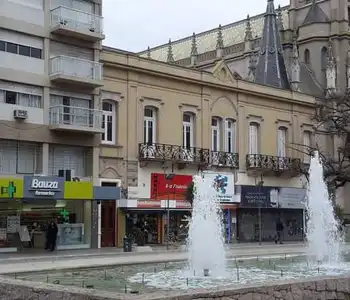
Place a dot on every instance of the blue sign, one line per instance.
(43, 187)
(274, 197)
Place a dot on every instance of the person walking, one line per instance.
(279, 232)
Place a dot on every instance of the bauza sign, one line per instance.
(44, 187)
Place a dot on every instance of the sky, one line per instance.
(133, 25)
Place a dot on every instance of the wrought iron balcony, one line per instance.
(173, 153)
(75, 23)
(224, 159)
(273, 164)
(69, 118)
(66, 69)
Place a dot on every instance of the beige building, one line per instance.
(165, 119)
(50, 122)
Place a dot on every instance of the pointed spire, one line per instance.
(331, 72)
(170, 57)
(219, 43)
(271, 69)
(280, 18)
(248, 30)
(315, 15)
(194, 51)
(148, 52)
(295, 67)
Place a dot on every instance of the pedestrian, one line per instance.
(51, 235)
(279, 232)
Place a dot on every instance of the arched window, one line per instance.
(149, 125)
(230, 136)
(253, 138)
(188, 130)
(215, 134)
(324, 58)
(307, 56)
(282, 141)
(108, 122)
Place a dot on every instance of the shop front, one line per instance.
(168, 201)
(28, 205)
(262, 207)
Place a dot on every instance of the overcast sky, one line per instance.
(135, 24)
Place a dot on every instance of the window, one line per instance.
(307, 56)
(24, 50)
(215, 134)
(307, 144)
(230, 136)
(282, 139)
(18, 157)
(324, 58)
(10, 97)
(187, 130)
(12, 48)
(108, 122)
(36, 53)
(253, 138)
(20, 49)
(149, 126)
(76, 159)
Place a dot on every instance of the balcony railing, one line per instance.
(179, 154)
(76, 118)
(224, 159)
(76, 20)
(273, 163)
(75, 67)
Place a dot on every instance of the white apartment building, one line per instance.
(49, 86)
(50, 117)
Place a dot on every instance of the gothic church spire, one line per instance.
(271, 69)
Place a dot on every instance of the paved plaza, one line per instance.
(18, 262)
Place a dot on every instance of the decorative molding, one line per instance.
(147, 101)
(106, 95)
(286, 122)
(189, 107)
(255, 117)
(308, 125)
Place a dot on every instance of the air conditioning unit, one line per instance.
(20, 114)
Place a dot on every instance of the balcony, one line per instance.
(224, 159)
(77, 24)
(72, 70)
(76, 119)
(173, 153)
(260, 164)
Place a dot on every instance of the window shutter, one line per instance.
(233, 138)
(253, 139)
(282, 142)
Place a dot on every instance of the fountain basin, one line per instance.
(165, 277)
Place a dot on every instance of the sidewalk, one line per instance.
(108, 259)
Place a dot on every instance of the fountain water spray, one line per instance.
(205, 242)
(323, 236)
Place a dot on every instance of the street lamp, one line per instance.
(259, 186)
(168, 177)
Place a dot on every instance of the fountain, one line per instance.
(322, 227)
(206, 248)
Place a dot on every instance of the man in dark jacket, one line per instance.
(279, 232)
(51, 235)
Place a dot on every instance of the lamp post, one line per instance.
(168, 177)
(259, 185)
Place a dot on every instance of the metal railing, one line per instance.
(76, 20)
(180, 154)
(273, 163)
(72, 66)
(76, 116)
(224, 159)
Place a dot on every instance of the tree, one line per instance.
(332, 116)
